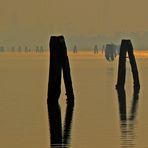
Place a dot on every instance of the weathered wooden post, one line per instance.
(122, 104)
(121, 66)
(126, 47)
(66, 74)
(133, 67)
(58, 62)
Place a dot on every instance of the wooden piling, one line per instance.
(126, 47)
(58, 62)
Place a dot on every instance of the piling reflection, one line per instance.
(60, 138)
(127, 123)
(67, 125)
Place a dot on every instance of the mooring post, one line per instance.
(58, 62)
(122, 104)
(67, 74)
(126, 47)
(133, 67)
(54, 84)
(121, 66)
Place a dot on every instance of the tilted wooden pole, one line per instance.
(126, 47)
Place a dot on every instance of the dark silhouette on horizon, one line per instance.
(126, 47)
(110, 52)
(60, 137)
(39, 49)
(75, 50)
(96, 49)
(127, 122)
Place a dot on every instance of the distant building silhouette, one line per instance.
(110, 52)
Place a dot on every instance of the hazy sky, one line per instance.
(31, 22)
(99, 16)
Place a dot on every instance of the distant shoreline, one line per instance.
(79, 55)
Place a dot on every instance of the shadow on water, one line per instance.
(127, 123)
(60, 137)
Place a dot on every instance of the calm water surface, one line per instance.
(97, 119)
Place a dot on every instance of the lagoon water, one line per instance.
(96, 121)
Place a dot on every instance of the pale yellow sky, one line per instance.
(101, 16)
(32, 22)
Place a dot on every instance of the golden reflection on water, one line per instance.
(23, 104)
